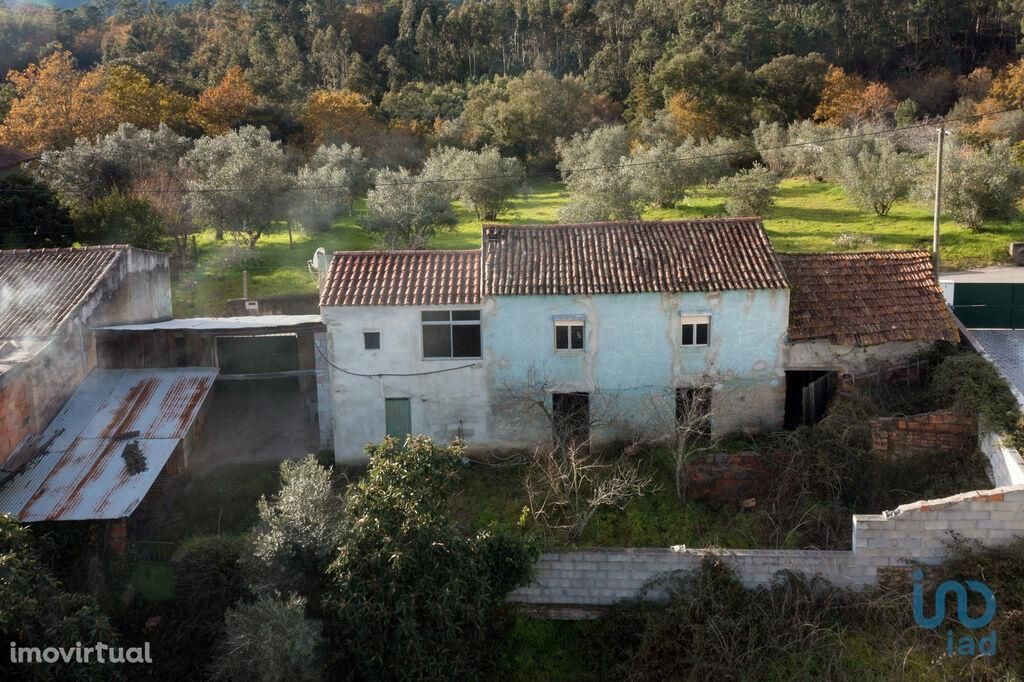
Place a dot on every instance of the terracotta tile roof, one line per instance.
(629, 257)
(39, 288)
(11, 157)
(862, 299)
(403, 278)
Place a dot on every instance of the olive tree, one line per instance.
(407, 211)
(297, 532)
(269, 639)
(92, 168)
(877, 176)
(750, 192)
(600, 186)
(663, 172)
(981, 184)
(484, 180)
(237, 182)
(413, 595)
(324, 188)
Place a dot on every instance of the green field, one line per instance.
(809, 216)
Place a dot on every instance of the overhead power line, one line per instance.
(583, 169)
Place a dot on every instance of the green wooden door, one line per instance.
(397, 417)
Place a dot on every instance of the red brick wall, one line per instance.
(931, 432)
(15, 415)
(727, 477)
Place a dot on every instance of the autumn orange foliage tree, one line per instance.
(221, 107)
(840, 97)
(55, 104)
(137, 100)
(1008, 86)
(336, 116)
(689, 118)
(848, 97)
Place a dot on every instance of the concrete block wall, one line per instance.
(927, 433)
(1005, 461)
(882, 543)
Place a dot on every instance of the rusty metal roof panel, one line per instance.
(81, 473)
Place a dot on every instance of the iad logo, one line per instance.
(966, 645)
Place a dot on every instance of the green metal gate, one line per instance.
(989, 306)
(397, 417)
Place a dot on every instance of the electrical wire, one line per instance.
(381, 375)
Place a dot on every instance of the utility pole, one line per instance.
(938, 197)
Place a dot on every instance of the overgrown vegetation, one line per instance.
(709, 626)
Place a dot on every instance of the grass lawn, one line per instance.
(809, 216)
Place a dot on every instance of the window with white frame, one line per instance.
(569, 335)
(695, 330)
(451, 334)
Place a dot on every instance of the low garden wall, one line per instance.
(927, 433)
(571, 583)
(1005, 461)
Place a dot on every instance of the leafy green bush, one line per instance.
(208, 578)
(969, 384)
(877, 176)
(982, 184)
(269, 640)
(36, 611)
(120, 219)
(413, 597)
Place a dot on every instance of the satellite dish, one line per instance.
(319, 257)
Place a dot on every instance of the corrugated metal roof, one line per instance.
(40, 288)
(82, 475)
(204, 325)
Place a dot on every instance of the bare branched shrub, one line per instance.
(683, 425)
(566, 486)
(522, 400)
(165, 192)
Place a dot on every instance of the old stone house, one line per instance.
(625, 323)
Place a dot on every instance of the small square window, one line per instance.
(569, 335)
(371, 340)
(695, 330)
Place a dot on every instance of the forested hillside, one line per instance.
(420, 64)
(373, 124)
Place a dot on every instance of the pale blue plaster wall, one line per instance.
(633, 348)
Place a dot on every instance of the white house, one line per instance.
(621, 320)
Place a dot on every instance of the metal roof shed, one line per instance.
(82, 471)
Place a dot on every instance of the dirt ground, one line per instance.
(256, 426)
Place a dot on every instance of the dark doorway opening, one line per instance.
(808, 393)
(570, 414)
(254, 355)
(693, 410)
